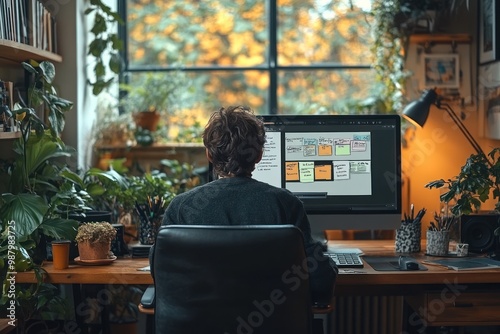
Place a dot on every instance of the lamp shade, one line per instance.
(417, 111)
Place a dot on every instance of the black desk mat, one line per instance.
(388, 263)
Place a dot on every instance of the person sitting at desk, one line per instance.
(234, 139)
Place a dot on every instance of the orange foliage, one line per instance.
(230, 36)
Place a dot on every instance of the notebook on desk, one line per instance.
(467, 263)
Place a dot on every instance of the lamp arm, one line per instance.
(463, 129)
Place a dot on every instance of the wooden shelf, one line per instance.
(13, 52)
(10, 135)
(440, 38)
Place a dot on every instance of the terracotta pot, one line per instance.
(93, 251)
(147, 120)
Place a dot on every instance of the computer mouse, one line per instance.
(408, 263)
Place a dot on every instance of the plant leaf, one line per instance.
(59, 228)
(27, 210)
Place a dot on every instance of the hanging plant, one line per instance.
(389, 50)
(394, 23)
(104, 42)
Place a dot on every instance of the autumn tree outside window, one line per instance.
(277, 56)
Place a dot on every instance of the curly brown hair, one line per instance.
(234, 138)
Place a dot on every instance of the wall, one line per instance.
(438, 150)
(71, 75)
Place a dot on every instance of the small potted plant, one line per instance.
(153, 97)
(477, 182)
(94, 241)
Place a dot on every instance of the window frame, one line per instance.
(271, 67)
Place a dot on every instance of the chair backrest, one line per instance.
(231, 279)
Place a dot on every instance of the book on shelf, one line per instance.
(28, 22)
(467, 263)
(2, 23)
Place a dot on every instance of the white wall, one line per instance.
(71, 75)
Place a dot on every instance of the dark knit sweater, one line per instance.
(245, 201)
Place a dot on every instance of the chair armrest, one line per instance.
(148, 298)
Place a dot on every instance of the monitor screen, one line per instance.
(345, 169)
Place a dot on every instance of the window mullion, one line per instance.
(273, 57)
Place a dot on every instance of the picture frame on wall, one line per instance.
(489, 100)
(441, 71)
(489, 33)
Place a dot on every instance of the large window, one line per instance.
(277, 56)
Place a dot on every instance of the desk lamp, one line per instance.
(417, 111)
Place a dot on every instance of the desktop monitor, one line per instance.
(345, 168)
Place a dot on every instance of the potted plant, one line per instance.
(94, 241)
(39, 194)
(477, 182)
(153, 96)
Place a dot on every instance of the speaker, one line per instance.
(478, 231)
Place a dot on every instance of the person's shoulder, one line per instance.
(203, 191)
(277, 191)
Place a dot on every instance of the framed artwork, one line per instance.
(488, 31)
(489, 100)
(441, 71)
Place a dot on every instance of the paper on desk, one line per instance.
(341, 250)
(147, 268)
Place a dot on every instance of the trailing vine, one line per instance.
(394, 23)
(104, 41)
(389, 50)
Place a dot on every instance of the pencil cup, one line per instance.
(408, 238)
(148, 229)
(437, 242)
(60, 254)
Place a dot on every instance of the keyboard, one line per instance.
(346, 260)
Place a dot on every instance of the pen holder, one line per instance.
(408, 238)
(437, 242)
(148, 229)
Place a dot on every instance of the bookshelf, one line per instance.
(27, 31)
(10, 135)
(12, 53)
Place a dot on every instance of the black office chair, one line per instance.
(230, 279)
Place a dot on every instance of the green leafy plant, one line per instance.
(389, 52)
(394, 23)
(477, 180)
(104, 42)
(40, 191)
(95, 232)
(154, 92)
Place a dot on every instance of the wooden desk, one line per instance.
(122, 271)
(464, 298)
